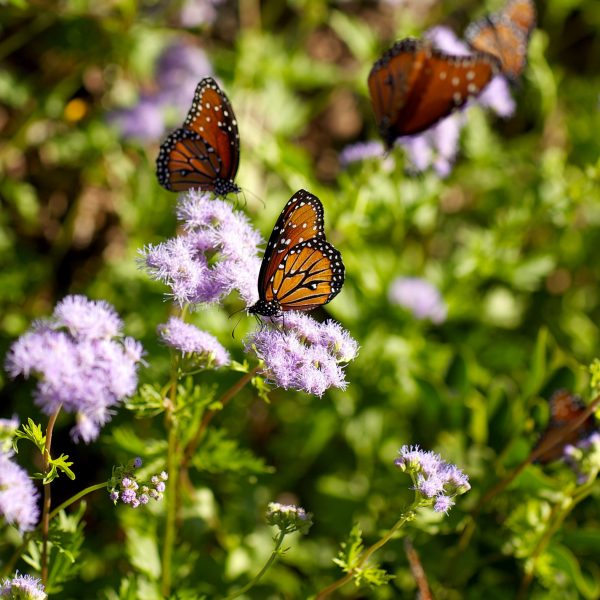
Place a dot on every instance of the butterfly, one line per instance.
(414, 85)
(205, 152)
(505, 35)
(565, 407)
(300, 270)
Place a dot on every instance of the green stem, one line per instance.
(255, 579)
(79, 495)
(45, 522)
(172, 469)
(407, 516)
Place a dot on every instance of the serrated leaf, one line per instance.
(217, 454)
(148, 402)
(351, 550)
(31, 432)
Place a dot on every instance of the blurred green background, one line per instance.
(510, 238)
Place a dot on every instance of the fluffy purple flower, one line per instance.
(420, 297)
(18, 496)
(437, 147)
(81, 360)
(584, 457)
(124, 486)
(145, 121)
(217, 253)
(198, 12)
(361, 151)
(188, 339)
(22, 587)
(436, 481)
(288, 517)
(178, 70)
(304, 355)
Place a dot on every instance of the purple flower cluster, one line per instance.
(190, 340)
(178, 70)
(584, 457)
(194, 13)
(304, 354)
(436, 481)
(124, 486)
(216, 254)
(83, 362)
(22, 587)
(18, 496)
(418, 296)
(288, 518)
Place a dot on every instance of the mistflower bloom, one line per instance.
(124, 485)
(199, 12)
(216, 254)
(288, 518)
(22, 587)
(18, 495)
(190, 340)
(437, 147)
(436, 482)
(584, 457)
(8, 427)
(419, 297)
(178, 70)
(82, 361)
(304, 355)
(361, 151)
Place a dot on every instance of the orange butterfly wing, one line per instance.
(204, 153)
(505, 35)
(413, 86)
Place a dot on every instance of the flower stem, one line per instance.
(407, 516)
(47, 496)
(208, 416)
(77, 496)
(265, 568)
(172, 469)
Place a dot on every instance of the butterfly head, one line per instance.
(266, 308)
(225, 186)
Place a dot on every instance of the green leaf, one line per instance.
(59, 464)
(143, 553)
(351, 550)
(148, 402)
(217, 454)
(33, 433)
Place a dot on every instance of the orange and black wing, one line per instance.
(413, 86)
(505, 36)
(204, 153)
(565, 407)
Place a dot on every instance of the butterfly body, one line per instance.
(414, 85)
(204, 153)
(505, 36)
(300, 269)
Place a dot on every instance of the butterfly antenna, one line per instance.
(255, 196)
(238, 322)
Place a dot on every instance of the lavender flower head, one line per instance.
(305, 355)
(18, 495)
(125, 486)
(82, 362)
(584, 457)
(191, 341)
(288, 518)
(361, 151)
(22, 587)
(419, 297)
(216, 254)
(178, 70)
(436, 482)
(199, 12)
(437, 147)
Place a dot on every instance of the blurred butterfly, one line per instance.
(203, 154)
(505, 35)
(300, 269)
(414, 85)
(564, 409)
